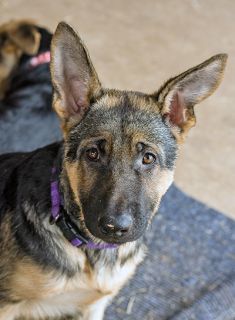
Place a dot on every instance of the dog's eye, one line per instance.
(148, 158)
(93, 154)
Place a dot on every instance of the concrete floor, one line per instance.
(138, 45)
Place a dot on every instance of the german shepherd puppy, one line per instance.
(72, 214)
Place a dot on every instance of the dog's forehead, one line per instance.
(124, 115)
(127, 99)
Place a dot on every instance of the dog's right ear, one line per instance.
(76, 84)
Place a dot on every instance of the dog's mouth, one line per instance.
(96, 237)
(96, 234)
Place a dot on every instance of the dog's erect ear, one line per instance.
(76, 84)
(25, 36)
(178, 95)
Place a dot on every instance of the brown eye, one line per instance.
(148, 158)
(93, 154)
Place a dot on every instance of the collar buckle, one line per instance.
(52, 220)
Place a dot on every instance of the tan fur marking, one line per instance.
(109, 100)
(76, 179)
(30, 282)
(158, 184)
(73, 175)
(13, 48)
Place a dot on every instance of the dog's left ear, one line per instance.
(76, 84)
(177, 97)
(25, 36)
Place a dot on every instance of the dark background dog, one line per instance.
(26, 117)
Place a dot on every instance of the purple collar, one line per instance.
(62, 220)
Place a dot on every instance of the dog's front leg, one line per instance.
(96, 310)
(8, 312)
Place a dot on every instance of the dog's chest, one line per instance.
(54, 294)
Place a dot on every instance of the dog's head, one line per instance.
(121, 146)
(16, 38)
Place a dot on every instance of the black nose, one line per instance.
(118, 225)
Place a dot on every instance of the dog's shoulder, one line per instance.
(23, 160)
(8, 166)
(19, 169)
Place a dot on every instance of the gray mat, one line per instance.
(189, 272)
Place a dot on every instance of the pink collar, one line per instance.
(42, 58)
